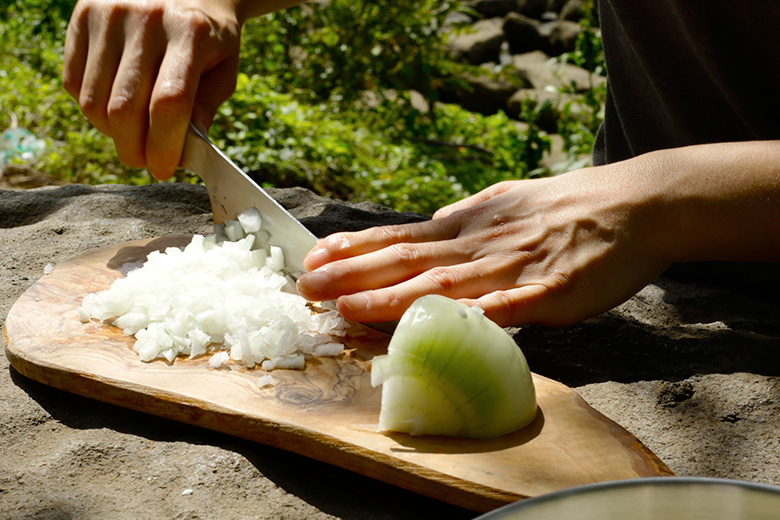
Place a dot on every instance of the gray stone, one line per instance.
(456, 18)
(492, 8)
(532, 8)
(522, 33)
(480, 46)
(482, 94)
(559, 36)
(543, 71)
(573, 10)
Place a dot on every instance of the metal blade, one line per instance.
(232, 192)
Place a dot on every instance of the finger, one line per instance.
(128, 113)
(522, 305)
(465, 280)
(389, 266)
(103, 56)
(214, 88)
(473, 200)
(346, 245)
(170, 110)
(75, 54)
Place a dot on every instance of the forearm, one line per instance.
(714, 202)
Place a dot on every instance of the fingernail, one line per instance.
(313, 282)
(355, 302)
(317, 257)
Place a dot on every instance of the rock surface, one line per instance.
(692, 370)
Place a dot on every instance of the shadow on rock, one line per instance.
(325, 216)
(333, 490)
(668, 331)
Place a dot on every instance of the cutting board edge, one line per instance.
(372, 464)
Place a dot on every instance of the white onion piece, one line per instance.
(266, 380)
(328, 349)
(250, 220)
(219, 359)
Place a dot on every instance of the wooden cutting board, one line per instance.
(328, 412)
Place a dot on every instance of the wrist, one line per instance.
(712, 202)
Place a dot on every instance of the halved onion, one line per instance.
(451, 371)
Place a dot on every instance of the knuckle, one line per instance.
(81, 12)
(442, 280)
(92, 108)
(197, 24)
(120, 108)
(170, 99)
(150, 15)
(407, 254)
(502, 307)
(394, 234)
(337, 242)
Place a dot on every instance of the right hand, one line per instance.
(141, 70)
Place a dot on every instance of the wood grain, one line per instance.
(327, 411)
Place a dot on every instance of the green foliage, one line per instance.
(354, 153)
(581, 118)
(32, 97)
(343, 47)
(323, 102)
(588, 49)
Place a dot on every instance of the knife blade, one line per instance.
(231, 192)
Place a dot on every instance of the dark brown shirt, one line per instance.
(687, 72)
(684, 72)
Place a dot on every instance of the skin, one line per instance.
(551, 251)
(142, 69)
(558, 250)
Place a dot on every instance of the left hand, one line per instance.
(551, 251)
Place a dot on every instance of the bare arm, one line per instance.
(141, 70)
(558, 250)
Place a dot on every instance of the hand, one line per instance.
(551, 251)
(142, 69)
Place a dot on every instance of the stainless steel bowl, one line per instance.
(663, 498)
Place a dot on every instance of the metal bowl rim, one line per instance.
(514, 507)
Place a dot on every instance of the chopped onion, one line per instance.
(219, 359)
(266, 380)
(328, 349)
(250, 220)
(229, 297)
(449, 370)
(83, 315)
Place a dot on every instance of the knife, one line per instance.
(231, 192)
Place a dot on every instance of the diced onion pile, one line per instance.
(225, 295)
